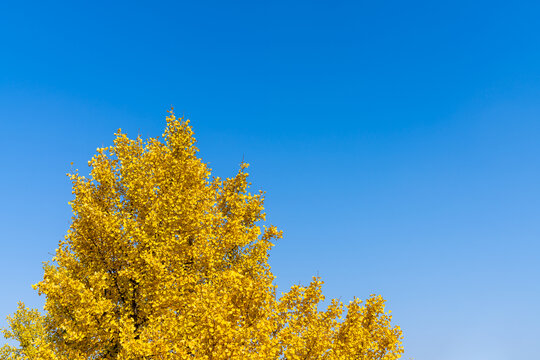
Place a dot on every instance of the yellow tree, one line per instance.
(162, 261)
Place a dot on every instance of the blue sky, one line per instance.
(397, 143)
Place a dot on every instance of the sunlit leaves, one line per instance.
(162, 261)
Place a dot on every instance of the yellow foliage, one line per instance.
(27, 326)
(162, 261)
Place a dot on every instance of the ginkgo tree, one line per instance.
(163, 261)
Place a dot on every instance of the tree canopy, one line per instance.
(164, 261)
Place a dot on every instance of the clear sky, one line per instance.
(398, 143)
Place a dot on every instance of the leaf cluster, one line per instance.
(163, 261)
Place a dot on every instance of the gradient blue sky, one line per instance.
(398, 143)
